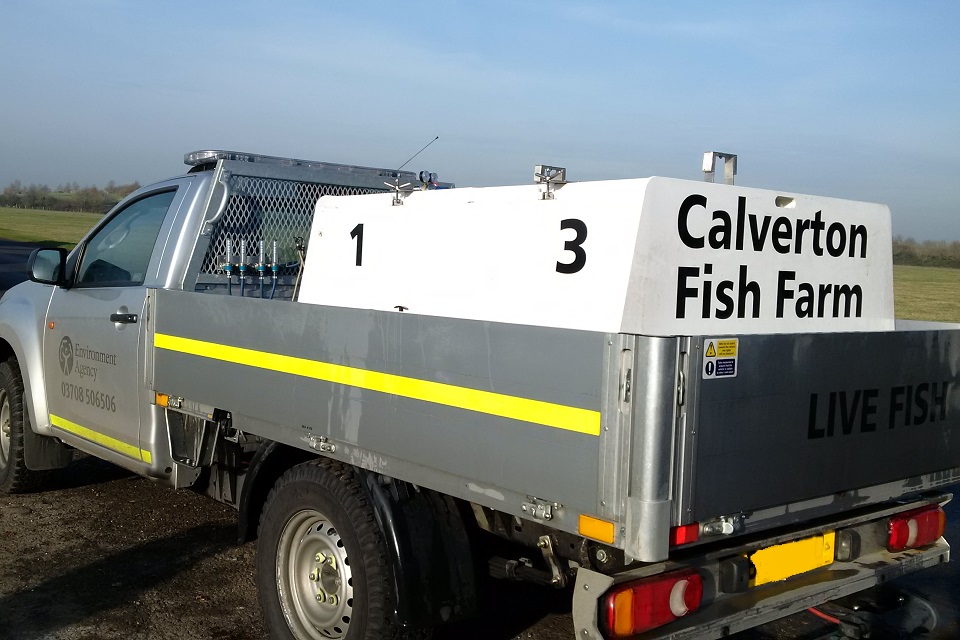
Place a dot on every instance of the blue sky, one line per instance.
(848, 99)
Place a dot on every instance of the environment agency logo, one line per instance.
(66, 355)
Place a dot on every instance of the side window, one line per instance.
(119, 253)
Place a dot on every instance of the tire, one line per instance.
(15, 477)
(317, 511)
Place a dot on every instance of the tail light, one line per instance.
(916, 528)
(636, 607)
(684, 534)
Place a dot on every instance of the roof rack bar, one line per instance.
(209, 156)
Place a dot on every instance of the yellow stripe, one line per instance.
(110, 443)
(497, 404)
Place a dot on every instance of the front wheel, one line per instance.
(322, 567)
(15, 477)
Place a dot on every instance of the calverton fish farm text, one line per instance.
(738, 293)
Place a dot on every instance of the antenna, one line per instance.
(418, 153)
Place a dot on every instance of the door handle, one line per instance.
(125, 318)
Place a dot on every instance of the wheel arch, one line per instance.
(269, 462)
(22, 321)
(11, 348)
(6, 349)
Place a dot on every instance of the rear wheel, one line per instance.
(322, 567)
(15, 477)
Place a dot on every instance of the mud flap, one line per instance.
(41, 453)
(433, 565)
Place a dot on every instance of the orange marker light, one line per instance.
(596, 528)
(50, 325)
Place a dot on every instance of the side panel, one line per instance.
(92, 369)
(506, 408)
(811, 416)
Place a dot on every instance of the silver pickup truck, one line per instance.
(681, 484)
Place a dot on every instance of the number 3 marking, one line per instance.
(580, 256)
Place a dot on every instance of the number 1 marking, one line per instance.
(357, 234)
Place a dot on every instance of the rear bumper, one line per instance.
(777, 600)
(723, 614)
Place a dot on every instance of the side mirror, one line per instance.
(48, 266)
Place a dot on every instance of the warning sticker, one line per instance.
(720, 357)
(727, 348)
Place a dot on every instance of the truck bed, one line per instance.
(485, 411)
(534, 421)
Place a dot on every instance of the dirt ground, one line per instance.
(107, 555)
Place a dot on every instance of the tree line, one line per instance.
(931, 253)
(66, 197)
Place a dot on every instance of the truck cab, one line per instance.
(93, 333)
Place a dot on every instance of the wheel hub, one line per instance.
(314, 577)
(329, 579)
(5, 427)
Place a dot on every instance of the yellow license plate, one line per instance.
(792, 558)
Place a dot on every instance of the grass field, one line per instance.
(920, 293)
(50, 228)
(926, 293)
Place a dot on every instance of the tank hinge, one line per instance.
(681, 388)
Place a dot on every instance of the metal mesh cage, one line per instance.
(270, 210)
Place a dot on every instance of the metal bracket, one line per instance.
(226, 428)
(729, 161)
(723, 526)
(397, 188)
(558, 578)
(322, 443)
(545, 174)
(589, 587)
(539, 509)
